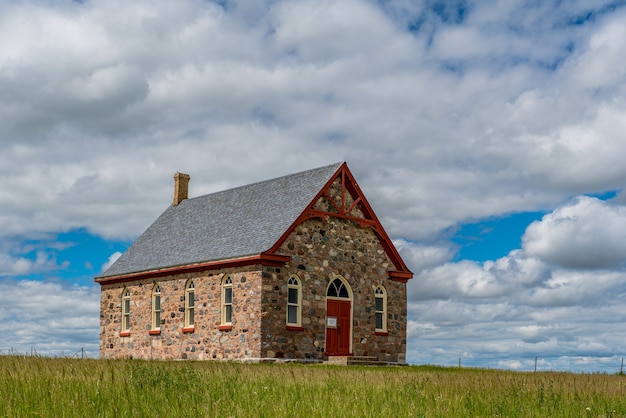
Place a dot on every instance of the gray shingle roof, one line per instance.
(243, 221)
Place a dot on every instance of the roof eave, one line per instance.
(400, 276)
(263, 259)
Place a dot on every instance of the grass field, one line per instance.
(60, 387)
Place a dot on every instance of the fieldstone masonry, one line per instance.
(206, 341)
(320, 250)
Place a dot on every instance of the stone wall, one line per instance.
(322, 250)
(206, 341)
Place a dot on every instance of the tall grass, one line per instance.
(58, 387)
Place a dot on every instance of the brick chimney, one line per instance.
(181, 182)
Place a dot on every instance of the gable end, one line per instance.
(341, 197)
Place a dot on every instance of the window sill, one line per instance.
(381, 333)
(125, 334)
(188, 330)
(294, 328)
(154, 332)
(225, 327)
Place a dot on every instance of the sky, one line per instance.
(488, 136)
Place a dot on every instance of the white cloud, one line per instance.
(599, 66)
(11, 265)
(112, 259)
(588, 233)
(49, 318)
(560, 296)
(422, 256)
(518, 269)
(324, 31)
(194, 85)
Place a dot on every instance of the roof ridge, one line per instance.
(338, 164)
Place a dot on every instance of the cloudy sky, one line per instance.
(488, 136)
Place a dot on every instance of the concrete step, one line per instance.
(365, 361)
(355, 361)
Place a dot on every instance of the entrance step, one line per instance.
(365, 361)
(337, 360)
(355, 361)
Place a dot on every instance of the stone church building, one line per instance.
(298, 267)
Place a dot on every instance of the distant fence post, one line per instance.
(621, 367)
(535, 363)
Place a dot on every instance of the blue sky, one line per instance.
(491, 239)
(75, 256)
(488, 137)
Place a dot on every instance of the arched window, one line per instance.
(294, 302)
(227, 300)
(380, 296)
(338, 289)
(156, 306)
(189, 304)
(126, 310)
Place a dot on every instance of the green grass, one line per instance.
(60, 387)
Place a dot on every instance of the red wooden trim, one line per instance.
(225, 327)
(400, 276)
(305, 215)
(263, 259)
(381, 333)
(370, 220)
(380, 231)
(343, 192)
(331, 200)
(187, 330)
(353, 205)
(293, 328)
(314, 213)
(125, 334)
(154, 332)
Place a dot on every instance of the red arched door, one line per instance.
(338, 319)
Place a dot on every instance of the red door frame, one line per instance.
(338, 333)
